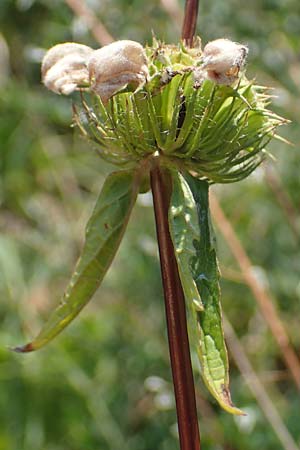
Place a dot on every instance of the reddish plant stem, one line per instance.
(190, 21)
(176, 316)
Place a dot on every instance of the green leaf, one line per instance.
(103, 235)
(193, 241)
(184, 231)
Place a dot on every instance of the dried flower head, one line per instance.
(217, 131)
(64, 67)
(187, 106)
(116, 65)
(223, 59)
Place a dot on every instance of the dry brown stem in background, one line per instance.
(82, 11)
(261, 295)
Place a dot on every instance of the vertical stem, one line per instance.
(190, 21)
(176, 316)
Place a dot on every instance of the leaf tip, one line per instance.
(234, 410)
(228, 405)
(24, 348)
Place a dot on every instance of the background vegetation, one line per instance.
(105, 383)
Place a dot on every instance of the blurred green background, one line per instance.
(104, 384)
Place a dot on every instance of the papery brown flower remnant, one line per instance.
(64, 67)
(70, 66)
(223, 59)
(116, 65)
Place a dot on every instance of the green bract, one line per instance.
(218, 132)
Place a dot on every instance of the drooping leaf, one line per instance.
(184, 230)
(193, 241)
(103, 235)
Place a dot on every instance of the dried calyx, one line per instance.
(223, 59)
(70, 66)
(115, 66)
(64, 67)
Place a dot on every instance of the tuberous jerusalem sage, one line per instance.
(195, 114)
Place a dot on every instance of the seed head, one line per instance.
(167, 101)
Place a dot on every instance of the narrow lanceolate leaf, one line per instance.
(184, 229)
(103, 235)
(193, 240)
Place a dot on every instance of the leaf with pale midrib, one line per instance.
(193, 241)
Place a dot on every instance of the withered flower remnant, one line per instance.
(64, 67)
(116, 65)
(223, 59)
(70, 66)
